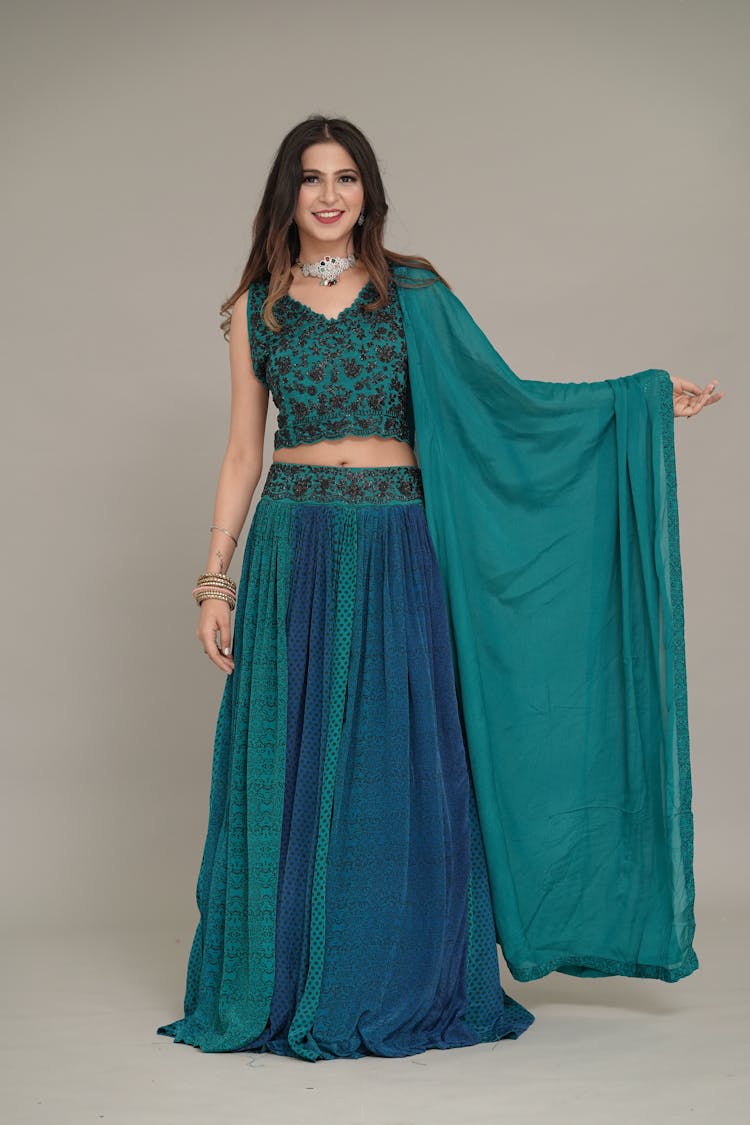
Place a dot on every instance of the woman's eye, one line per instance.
(346, 176)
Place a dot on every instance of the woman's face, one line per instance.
(329, 182)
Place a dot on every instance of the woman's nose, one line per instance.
(328, 192)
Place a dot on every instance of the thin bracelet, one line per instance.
(215, 528)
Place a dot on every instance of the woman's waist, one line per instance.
(325, 483)
(351, 450)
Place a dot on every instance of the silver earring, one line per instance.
(361, 218)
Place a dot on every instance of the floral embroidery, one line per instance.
(330, 377)
(373, 484)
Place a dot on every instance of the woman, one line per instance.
(346, 903)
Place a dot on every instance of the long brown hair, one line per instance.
(275, 239)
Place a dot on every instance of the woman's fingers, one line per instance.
(214, 632)
(225, 639)
(687, 405)
(684, 385)
(707, 396)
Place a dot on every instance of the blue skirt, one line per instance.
(343, 891)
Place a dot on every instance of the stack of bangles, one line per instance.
(216, 584)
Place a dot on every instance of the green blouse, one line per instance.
(333, 376)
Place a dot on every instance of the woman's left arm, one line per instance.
(689, 399)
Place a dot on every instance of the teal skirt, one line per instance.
(343, 891)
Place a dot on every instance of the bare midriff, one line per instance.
(361, 452)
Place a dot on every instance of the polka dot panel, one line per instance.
(343, 892)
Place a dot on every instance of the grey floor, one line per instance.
(79, 1046)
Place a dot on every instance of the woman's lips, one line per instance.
(325, 219)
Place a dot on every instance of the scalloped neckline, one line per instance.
(332, 319)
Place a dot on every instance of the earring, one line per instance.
(361, 218)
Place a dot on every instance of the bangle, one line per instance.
(215, 584)
(215, 594)
(215, 528)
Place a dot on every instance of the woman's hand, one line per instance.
(215, 617)
(689, 399)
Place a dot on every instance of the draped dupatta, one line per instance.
(553, 510)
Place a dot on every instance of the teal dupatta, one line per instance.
(553, 510)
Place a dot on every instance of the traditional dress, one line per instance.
(458, 713)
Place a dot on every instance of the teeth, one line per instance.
(327, 214)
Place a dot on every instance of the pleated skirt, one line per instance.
(343, 895)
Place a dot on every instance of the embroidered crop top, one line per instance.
(333, 376)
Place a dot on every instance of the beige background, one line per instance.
(579, 172)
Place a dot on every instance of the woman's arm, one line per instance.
(238, 478)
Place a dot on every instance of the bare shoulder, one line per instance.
(239, 308)
(239, 337)
(238, 330)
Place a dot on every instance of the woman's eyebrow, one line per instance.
(338, 173)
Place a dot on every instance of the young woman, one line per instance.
(379, 804)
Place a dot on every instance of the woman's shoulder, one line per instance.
(405, 272)
(413, 272)
(253, 300)
(257, 290)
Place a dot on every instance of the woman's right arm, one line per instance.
(238, 479)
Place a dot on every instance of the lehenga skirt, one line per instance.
(343, 891)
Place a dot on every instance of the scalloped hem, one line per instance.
(351, 432)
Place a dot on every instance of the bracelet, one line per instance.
(215, 528)
(219, 576)
(215, 584)
(220, 597)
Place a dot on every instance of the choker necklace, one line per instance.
(328, 269)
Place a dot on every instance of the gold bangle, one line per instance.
(215, 574)
(215, 528)
(200, 598)
(217, 579)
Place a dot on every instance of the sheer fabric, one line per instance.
(553, 510)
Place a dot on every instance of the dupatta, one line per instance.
(553, 511)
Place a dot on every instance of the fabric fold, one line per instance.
(343, 894)
(553, 510)
(231, 965)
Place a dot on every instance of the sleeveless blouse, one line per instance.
(330, 377)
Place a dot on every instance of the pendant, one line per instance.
(328, 269)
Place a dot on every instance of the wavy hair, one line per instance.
(275, 239)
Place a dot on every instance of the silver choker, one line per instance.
(328, 269)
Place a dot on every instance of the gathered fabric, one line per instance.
(343, 893)
(553, 510)
(458, 712)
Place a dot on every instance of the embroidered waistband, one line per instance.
(372, 484)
